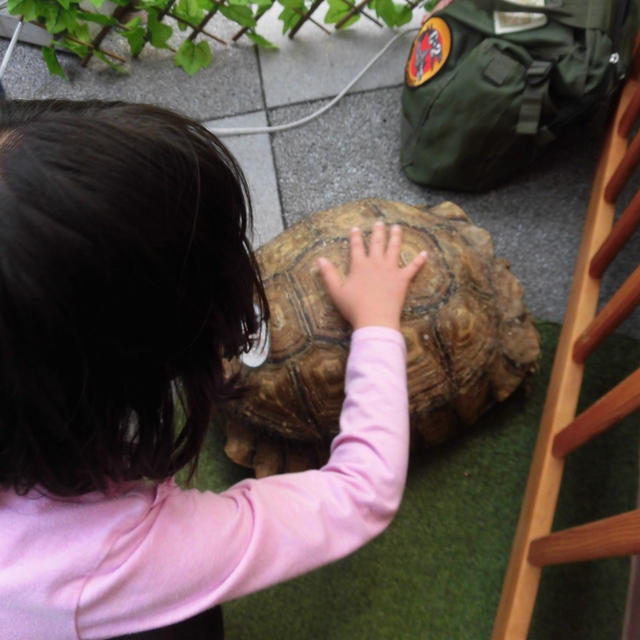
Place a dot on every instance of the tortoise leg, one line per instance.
(240, 445)
(435, 426)
(269, 458)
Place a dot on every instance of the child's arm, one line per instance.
(196, 549)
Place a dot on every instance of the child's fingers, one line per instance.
(395, 242)
(415, 265)
(377, 242)
(330, 276)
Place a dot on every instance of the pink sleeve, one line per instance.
(195, 550)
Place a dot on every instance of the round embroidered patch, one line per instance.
(429, 52)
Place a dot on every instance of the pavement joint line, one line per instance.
(298, 103)
(267, 116)
(328, 98)
(233, 114)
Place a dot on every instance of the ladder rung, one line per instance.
(624, 227)
(618, 403)
(615, 536)
(620, 305)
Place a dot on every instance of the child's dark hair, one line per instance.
(126, 276)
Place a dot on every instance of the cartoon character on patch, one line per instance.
(429, 52)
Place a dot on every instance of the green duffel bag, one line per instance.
(490, 83)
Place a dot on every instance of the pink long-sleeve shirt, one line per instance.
(94, 566)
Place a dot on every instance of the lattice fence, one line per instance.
(81, 26)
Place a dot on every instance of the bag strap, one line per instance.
(583, 14)
(532, 98)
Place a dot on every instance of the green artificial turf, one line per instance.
(436, 572)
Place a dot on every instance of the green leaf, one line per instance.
(79, 49)
(96, 3)
(260, 41)
(159, 33)
(70, 20)
(263, 4)
(384, 9)
(292, 4)
(42, 9)
(49, 55)
(403, 14)
(65, 4)
(394, 15)
(28, 9)
(241, 15)
(151, 4)
(350, 21)
(337, 10)
(57, 19)
(192, 57)
(289, 19)
(132, 24)
(81, 31)
(98, 18)
(116, 67)
(135, 36)
(239, 2)
(189, 10)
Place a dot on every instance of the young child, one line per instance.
(126, 277)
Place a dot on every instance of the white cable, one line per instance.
(239, 131)
(10, 48)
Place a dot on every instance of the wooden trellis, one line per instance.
(120, 13)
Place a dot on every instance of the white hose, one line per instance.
(239, 131)
(10, 48)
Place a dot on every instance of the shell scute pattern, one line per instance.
(470, 340)
(323, 320)
(289, 335)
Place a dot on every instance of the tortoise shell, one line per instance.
(470, 340)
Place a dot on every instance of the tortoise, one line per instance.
(470, 339)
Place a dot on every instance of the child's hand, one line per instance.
(375, 289)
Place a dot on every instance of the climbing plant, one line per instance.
(80, 26)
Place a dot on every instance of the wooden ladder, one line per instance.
(561, 431)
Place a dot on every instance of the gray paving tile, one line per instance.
(28, 32)
(346, 153)
(315, 65)
(352, 151)
(230, 85)
(253, 153)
